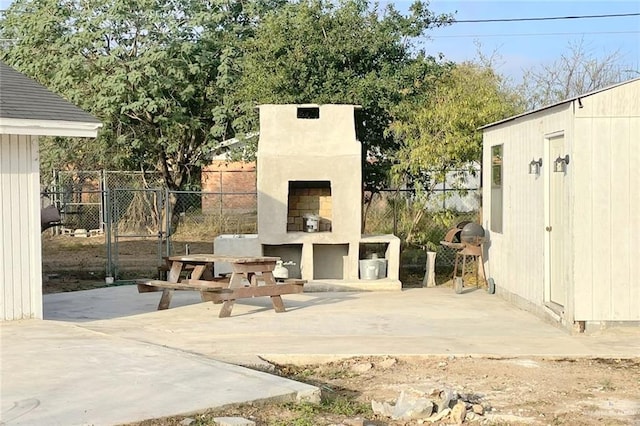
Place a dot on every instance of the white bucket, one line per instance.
(369, 269)
(382, 268)
(311, 222)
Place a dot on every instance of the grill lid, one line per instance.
(472, 233)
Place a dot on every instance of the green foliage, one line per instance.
(340, 404)
(161, 75)
(170, 80)
(304, 414)
(425, 233)
(347, 52)
(438, 129)
(439, 126)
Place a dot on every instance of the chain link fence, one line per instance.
(398, 212)
(140, 221)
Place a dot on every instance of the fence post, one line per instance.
(220, 190)
(56, 198)
(103, 203)
(395, 212)
(167, 222)
(108, 222)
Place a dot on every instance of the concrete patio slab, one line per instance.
(106, 356)
(423, 321)
(60, 374)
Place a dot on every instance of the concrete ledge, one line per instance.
(357, 285)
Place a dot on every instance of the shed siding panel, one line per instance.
(614, 177)
(20, 255)
(620, 219)
(516, 256)
(607, 189)
(601, 176)
(35, 242)
(621, 101)
(583, 164)
(6, 254)
(634, 210)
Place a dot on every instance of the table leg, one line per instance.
(197, 272)
(174, 273)
(268, 278)
(277, 303)
(167, 293)
(236, 279)
(165, 300)
(225, 311)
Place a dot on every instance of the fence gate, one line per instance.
(135, 231)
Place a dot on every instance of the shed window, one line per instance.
(496, 188)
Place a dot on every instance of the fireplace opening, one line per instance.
(290, 254)
(329, 260)
(308, 201)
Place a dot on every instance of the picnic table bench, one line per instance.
(250, 277)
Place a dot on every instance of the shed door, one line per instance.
(557, 208)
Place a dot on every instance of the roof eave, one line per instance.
(75, 129)
(565, 101)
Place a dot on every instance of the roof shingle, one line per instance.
(24, 98)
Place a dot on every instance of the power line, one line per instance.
(532, 34)
(550, 18)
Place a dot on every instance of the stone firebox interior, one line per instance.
(309, 198)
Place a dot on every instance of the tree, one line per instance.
(578, 71)
(438, 128)
(161, 75)
(318, 51)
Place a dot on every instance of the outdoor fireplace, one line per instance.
(309, 169)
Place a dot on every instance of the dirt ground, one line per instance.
(518, 391)
(73, 263)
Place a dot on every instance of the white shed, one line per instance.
(27, 110)
(561, 204)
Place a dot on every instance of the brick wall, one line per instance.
(304, 201)
(233, 185)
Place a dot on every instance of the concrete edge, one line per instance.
(306, 359)
(311, 396)
(385, 284)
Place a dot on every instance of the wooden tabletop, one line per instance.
(212, 258)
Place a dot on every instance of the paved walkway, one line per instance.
(106, 356)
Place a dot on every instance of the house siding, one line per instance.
(607, 211)
(20, 244)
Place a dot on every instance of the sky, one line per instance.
(526, 45)
(517, 46)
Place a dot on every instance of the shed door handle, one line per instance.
(548, 228)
